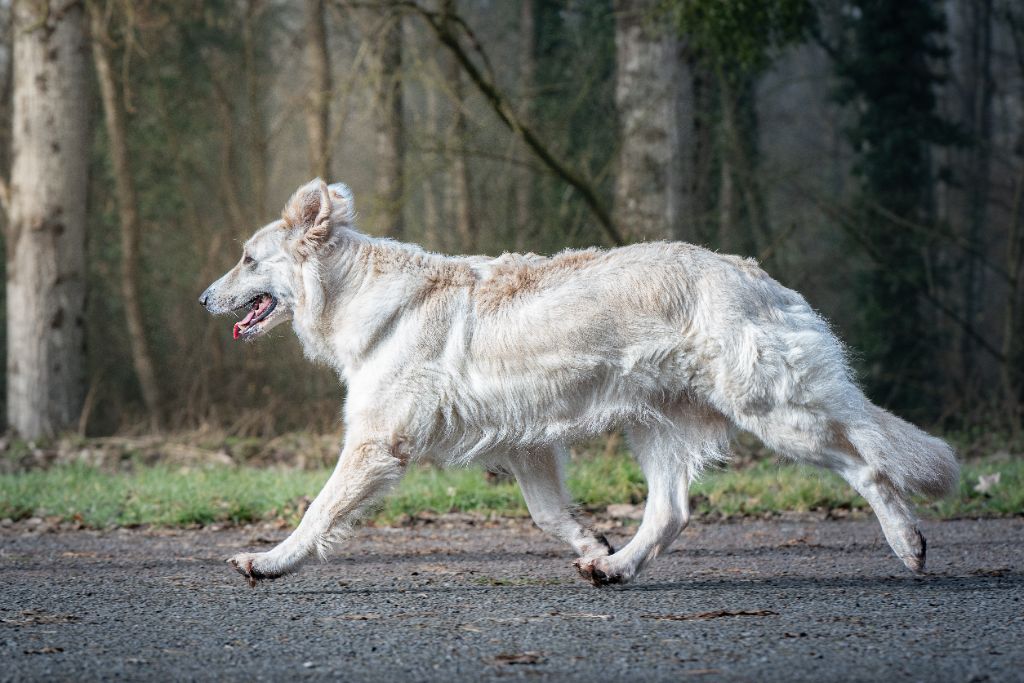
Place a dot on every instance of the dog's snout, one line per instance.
(204, 299)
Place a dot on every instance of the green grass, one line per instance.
(171, 496)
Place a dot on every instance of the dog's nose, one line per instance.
(203, 299)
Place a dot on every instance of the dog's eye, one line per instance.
(248, 260)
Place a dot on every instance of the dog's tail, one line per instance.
(915, 462)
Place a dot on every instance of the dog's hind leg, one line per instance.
(541, 478)
(894, 511)
(871, 461)
(669, 456)
(364, 472)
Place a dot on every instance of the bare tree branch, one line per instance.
(445, 27)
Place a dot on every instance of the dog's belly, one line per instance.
(512, 406)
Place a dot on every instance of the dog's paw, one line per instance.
(253, 567)
(598, 571)
(915, 552)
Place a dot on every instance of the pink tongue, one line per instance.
(237, 329)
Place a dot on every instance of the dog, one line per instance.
(506, 361)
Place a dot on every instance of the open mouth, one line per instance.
(260, 308)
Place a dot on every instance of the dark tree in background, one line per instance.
(727, 47)
(390, 123)
(889, 74)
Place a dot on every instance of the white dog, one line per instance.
(504, 361)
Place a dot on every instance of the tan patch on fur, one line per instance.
(444, 277)
(439, 275)
(381, 259)
(514, 275)
(572, 260)
(748, 265)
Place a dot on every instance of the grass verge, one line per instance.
(165, 495)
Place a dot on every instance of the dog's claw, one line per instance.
(595, 576)
(916, 561)
(252, 576)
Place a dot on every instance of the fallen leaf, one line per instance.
(991, 571)
(45, 651)
(581, 615)
(625, 511)
(35, 618)
(699, 616)
(519, 658)
(986, 482)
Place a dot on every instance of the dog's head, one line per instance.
(278, 262)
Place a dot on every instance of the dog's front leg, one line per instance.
(366, 469)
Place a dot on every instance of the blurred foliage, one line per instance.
(855, 200)
(741, 37)
(889, 72)
(574, 99)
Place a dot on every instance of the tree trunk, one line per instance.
(977, 119)
(255, 98)
(390, 129)
(525, 217)
(651, 201)
(318, 108)
(431, 212)
(744, 222)
(460, 199)
(702, 183)
(46, 264)
(128, 210)
(1010, 370)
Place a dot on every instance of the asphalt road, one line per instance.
(757, 601)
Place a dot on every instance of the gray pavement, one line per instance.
(773, 600)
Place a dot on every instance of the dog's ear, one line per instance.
(343, 205)
(308, 214)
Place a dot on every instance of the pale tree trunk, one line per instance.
(390, 129)
(318, 107)
(525, 218)
(128, 211)
(651, 94)
(46, 265)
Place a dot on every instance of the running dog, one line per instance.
(506, 361)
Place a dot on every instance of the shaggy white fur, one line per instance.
(507, 360)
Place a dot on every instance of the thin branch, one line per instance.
(956, 240)
(442, 28)
(844, 222)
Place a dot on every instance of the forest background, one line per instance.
(870, 153)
